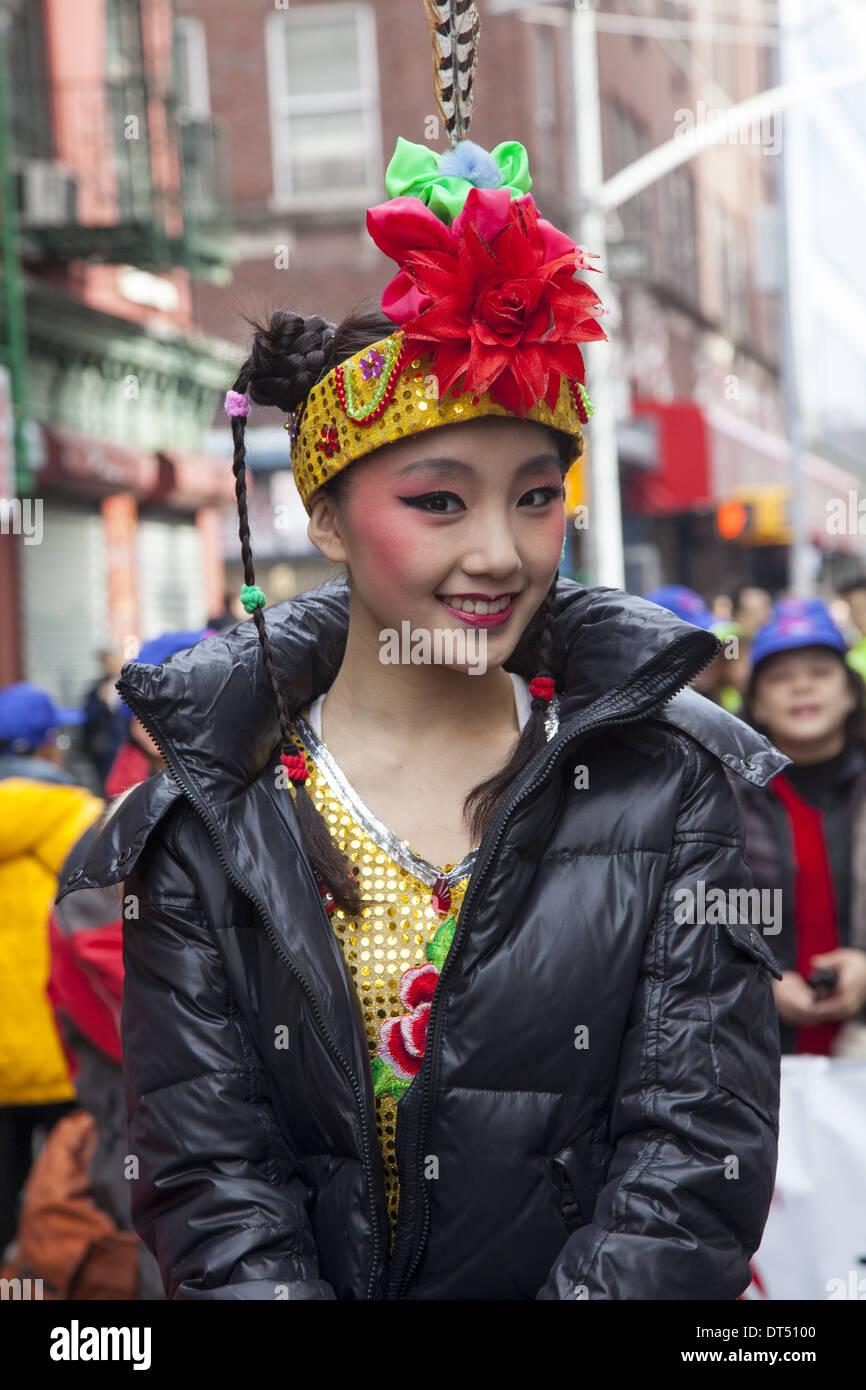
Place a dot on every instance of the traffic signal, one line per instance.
(734, 519)
(756, 516)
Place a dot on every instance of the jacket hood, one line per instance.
(211, 707)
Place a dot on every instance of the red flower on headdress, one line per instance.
(492, 296)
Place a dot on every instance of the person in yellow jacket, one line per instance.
(42, 813)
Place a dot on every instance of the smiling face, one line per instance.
(803, 698)
(458, 527)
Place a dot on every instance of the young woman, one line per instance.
(415, 1005)
(806, 831)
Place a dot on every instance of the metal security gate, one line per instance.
(170, 577)
(65, 609)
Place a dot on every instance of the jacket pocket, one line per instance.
(575, 1195)
(744, 1030)
(746, 939)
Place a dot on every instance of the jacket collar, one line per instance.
(211, 708)
(212, 712)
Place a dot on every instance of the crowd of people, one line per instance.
(794, 669)
(62, 1111)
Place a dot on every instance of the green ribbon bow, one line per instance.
(414, 171)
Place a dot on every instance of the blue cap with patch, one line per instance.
(797, 622)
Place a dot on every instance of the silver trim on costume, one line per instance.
(375, 829)
(551, 719)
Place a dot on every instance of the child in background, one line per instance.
(806, 830)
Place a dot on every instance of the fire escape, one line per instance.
(115, 168)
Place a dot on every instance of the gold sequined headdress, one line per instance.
(487, 307)
(382, 394)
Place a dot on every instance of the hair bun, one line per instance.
(288, 357)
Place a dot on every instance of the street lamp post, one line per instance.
(604, 533)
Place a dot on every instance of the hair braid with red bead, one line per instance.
(306, 339)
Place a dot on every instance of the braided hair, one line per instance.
(289, 356)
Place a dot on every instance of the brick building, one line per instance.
(314, 96)
(113, 205)
(285, 115)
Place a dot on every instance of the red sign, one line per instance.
(683, 479)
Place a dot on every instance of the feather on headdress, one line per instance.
(454, 28)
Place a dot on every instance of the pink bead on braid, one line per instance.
(237, 403)
(542, 688)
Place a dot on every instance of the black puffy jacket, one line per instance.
(597, 1110)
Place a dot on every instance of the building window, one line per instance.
(190, 56)
(724, 64)
(32, 136)
(733, 275)
(324, 101)
(544, 115)
(677, 229)
(124, 43)
(125, 182)
(627, 140)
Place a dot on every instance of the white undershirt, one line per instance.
(522, 703)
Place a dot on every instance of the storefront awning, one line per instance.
(198, 480)
(680, 480)
(94, 468)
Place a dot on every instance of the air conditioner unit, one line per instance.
(47, 194)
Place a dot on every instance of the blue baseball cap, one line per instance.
(159, 649)
(28, 714)
(797, 622)
(683, 603)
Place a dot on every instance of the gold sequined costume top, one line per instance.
(395, 947)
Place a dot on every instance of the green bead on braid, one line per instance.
(252, 597)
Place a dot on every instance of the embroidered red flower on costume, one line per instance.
(492, 296)
(402, 1040)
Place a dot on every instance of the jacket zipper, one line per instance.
(177, 772)
(469, 906)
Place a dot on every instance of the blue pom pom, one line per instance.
(469, 161)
